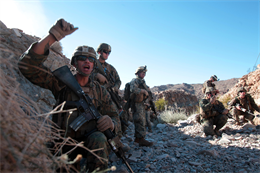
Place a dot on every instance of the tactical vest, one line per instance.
(138, 98)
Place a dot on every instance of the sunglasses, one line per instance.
(84, 58)
(106, 52)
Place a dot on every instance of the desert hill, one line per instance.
(223, 86)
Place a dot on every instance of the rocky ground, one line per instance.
(183, 147)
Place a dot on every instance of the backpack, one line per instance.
(127, 91)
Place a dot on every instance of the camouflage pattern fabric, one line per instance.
(139, 120)
(113, 72)
(139, 112)
(212, 116)
(207, 84)
(248, 103)
(31, 66)
(147, 118)
(110, 69)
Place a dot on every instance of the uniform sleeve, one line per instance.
(253, 104)
(116, 77)
(205, 105)
(109, 108)
(134, 87)
(233, 102)
(31, 66)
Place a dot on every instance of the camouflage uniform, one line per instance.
(247, 103)
(43, 77)
(210, 115)
(139, 108)
(147, 117)
(207, 84)
(109, 69)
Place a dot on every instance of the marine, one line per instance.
(110, 80)
(212, 112)
(209, 83)
(84, 60)
(244, 105)
(139, 93)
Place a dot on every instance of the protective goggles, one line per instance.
(106, 52)
(84, 58)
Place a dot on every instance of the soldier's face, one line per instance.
(141, 74)
(242, 94)
(86, 66)
(105, 54)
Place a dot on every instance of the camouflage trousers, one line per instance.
(236, 113)
(119, 128)
(139, 120)
(147, 118)
(124, 121)
(95, 140)
(207, 124)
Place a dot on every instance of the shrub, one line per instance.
(225, 100)
(160, 104)
(171, 117)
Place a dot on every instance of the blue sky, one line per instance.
(179, 41)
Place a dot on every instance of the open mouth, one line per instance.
(87, 67)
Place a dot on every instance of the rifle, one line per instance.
(87, 111)
(219, 110)
(115, 97)
(150, 100)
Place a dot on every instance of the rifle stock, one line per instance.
(88, 111)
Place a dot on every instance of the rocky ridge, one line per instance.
(223, 86)
(13, 43)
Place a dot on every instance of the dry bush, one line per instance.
(24, 133)
(170, 116)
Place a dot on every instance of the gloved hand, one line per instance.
(213, 99)
(104, 123)
(61, 29)
(143, 91)
(102, 79)
(225, 111)
(115, 89)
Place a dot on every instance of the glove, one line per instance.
(61, 29)
(102, 79)
(143, 91)
(115, 89)
(225, 111)
(104, 123)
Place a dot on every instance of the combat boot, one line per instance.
(217, 132)
(255, 121)
(143, 142)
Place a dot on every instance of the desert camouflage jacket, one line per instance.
(208, 110)
(31, 66)
(248, 103)
(109, 69)
(136, 85)
(207, 84)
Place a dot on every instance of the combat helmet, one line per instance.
(215, 78)
(83, 50)
(141, 68)
(104, 46)
(240, 89)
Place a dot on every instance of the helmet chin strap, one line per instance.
(79, 71)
